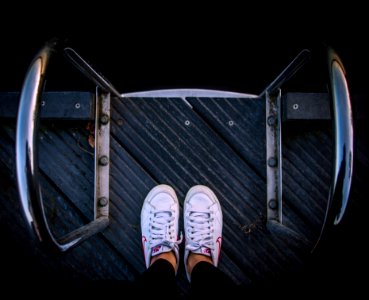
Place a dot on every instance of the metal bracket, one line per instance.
(102, 146)
(274, 156)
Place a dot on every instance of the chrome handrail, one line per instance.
(343, 152)
(89, 72)
(27, 160)
(294, 66)
(344, 141)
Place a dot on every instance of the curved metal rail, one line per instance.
(343, 140)
(342, 121)
(27, 161)
(343, 152)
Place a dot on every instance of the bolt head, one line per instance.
(273, 204)
(103, 160)
(104, 119)
(272, 120)
(272, 162)
(103, 201)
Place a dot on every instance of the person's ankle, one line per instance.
(168, 256)
(194, 259)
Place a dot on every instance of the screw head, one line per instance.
(103, 201)
(272, 162)
(272, 120)
(104, 119)
(103, 160)
(273, 204)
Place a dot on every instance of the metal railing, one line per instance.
(27, 164)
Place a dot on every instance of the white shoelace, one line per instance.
(200, 234)
(162, 230)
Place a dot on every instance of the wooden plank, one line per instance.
(70, 148)
(54, 105)
(307, 166)
(164, 141)
(88, 261)
(306, 106)
(129, 187)
(240, 122)
(176, 147)
(247, 137)
(316, 106)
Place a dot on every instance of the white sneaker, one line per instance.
(159, 223)
(203, 222)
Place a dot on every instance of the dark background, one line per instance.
(238, 50)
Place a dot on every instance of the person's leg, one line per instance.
(208, 281)
(159, 227)
(160, 276)
(203, 228)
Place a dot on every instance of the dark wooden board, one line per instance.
(163, 140)
(54, 105)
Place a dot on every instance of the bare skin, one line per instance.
(193, 259)
(169, 256)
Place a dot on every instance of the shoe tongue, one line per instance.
(160, 249)
(203, 250)
(162, 214)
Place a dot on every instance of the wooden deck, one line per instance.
(165, 140)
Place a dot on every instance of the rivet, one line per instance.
(272, 162)
(231, 123)
(120, 122)
(272, 204)
(43, 103)
(272, 120)
(77, 105)
(103, 160)
(103, 201)
(104, 119)
(187, 123)
(295, 106)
